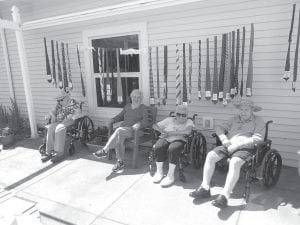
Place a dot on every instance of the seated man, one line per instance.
(243, 131)
(134, 116)
(62, 116)
(171, 143)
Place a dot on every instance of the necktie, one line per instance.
(80, 70)
(165, 74)
(296, 58)
(59, 73)
(215, 78)
(232, 90)
(48, 70)
(151, 78)
(178, 78)
(242, 62)
(53, 63)
(207, 78)
(184, 87)
(157, 76)
(222, 67)
(226, 92)
(119, 80)
(101, 76)
(287, 72)
(69, 69)
(107, 89)
(190, 72)
(250, 64)
(112, 80)
(65, 74)
(199, 72)
(237, 63)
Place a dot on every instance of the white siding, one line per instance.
(189, 23)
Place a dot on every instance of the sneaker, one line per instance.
(220, 201)
(200, 193)
(167, 182)
(100, 153)
(57, 158)
(46, 157)
(119, 165)
(157, 177)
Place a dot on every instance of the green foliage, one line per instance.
(4, 116)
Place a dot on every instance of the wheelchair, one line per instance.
(194, 151)
(82, 129)
(264, 166)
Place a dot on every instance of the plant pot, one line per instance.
(7, 140)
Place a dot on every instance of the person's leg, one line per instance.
(60, 139)
(233, 175)
(50, 137)
(174, 152)
(160, 149)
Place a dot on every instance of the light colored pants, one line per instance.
(117, 140)
(56, 136)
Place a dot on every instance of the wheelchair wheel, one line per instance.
(71, 149)
(270, 168)
(198, 149)
(85, 129)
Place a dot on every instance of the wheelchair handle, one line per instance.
(267, 129)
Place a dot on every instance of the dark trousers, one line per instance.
(164, 150)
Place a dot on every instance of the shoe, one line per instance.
(220, 201)
(157, 178)
(46, 157)
(57, 158)
(100, 153)
(119, 165)
(167, 182)
(200, 193)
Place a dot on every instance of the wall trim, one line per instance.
(135, 6)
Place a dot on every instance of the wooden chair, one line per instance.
(141, 135)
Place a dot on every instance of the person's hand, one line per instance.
(109, 122)
(231, 148)
(164, 134)
(226, 143)
(136, 126)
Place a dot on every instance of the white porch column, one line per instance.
(7, 64)
(25, 72)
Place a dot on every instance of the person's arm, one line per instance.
(160, 126)
(188, 129)
(145, 120)
(120, 116)
(221, 131)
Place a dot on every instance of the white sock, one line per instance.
(205, 186)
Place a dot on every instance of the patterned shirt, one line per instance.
(63, 112)
(244, 134)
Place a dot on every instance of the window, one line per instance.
(105, 54)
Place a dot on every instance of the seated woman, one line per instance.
(171, 143)
(62, 116)
(134, 116)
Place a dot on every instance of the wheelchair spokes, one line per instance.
(198, 149)
(86, 129)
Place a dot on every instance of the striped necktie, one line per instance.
(48, 70)
(232, 90)
(199, 72)
(81, 76)
(165, 75)
(287, 72)
(215, 77)
(207, 78)
(237, 63)
(119, 80)
(53, 63)
(178, 78)
(222, 67)
(296, 58)
(184, 87)
(69, 69)
(108, 90)
(59, 72)
(101, 76)
(227, 76)
(65, 73)
(190, 72)
(152, 102)
(250, 64)
(157, 77)
(242, 62)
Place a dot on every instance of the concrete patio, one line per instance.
(81, 190)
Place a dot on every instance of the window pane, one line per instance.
(128, 63)
(110, 93)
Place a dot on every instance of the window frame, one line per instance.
(88, 35)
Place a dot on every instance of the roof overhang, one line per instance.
(119, 9)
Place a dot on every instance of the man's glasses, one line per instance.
(181, 114)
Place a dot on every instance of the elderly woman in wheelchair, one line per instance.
(59, 118)
(238, 136)
(170, 144)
